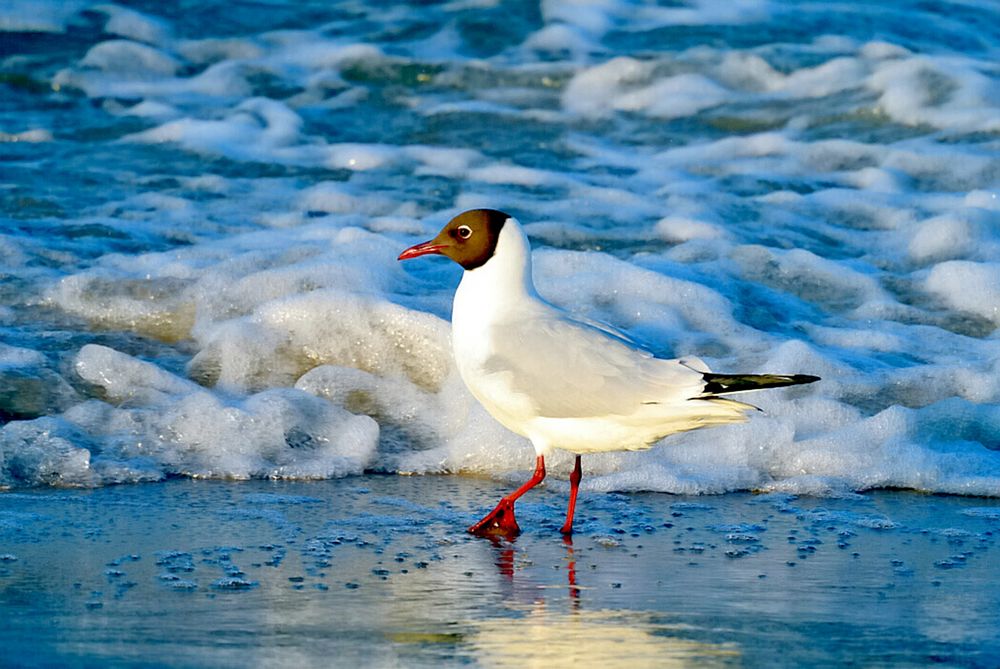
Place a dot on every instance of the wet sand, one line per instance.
(378, 571)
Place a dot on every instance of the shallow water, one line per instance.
(378, 570)
(205, 203)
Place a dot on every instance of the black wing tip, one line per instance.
(719, 384)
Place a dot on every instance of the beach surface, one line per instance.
(378, 571)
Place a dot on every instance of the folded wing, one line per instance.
(568, 369)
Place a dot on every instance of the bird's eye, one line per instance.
(464, 231)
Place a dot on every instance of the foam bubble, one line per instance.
(257, 129)
(155, 307)
(942, 91)
(124, 57)
(152, 110)
(967, 286)
(683, 229)
(127, 380)
(359, 156)
(812, 278)
(942, 238)
(15, 356)
(561, 38)
(134, 25)
(673, 97)
(510, 174)
(337, 198)
(325, 327)
(45, 451)
(591, 92)
(161, 424)
(983, 199)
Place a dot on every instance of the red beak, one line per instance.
(421, 250)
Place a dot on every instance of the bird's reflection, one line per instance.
(536, 631)
(574, 589)
(504, 554)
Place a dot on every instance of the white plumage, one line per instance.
(559, 381)
(563, 383)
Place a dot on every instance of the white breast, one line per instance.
(487, 296)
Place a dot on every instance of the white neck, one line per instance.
(502, 280)
(497, 291)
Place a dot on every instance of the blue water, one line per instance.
(220, 191)
(376, 571)
(200, 213)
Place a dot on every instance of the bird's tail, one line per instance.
(722, 384)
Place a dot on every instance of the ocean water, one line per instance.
(202, 204)
(370, 571)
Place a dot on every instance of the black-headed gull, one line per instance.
(560, 381)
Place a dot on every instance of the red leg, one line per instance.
(501, 519)
(574, 488)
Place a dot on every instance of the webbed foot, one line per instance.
(498, 522)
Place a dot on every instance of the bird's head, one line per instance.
(470, 239)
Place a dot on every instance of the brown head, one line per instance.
(469, 239)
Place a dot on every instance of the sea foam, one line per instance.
(202, 260)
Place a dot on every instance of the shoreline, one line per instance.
(380, 569)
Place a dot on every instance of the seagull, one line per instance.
(559, 380)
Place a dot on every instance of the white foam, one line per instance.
(683, 229)
(812, 278)
(216, 50)
(833, 76)
(618, 292)
(942, 238)
(44, 451)
(788, 223)
(942, 91)
(141, 305)
(257, 129)
(16, 356)
(128, 68)
(127, 380)
(968, 286)
(285, 337)
(849, 452)
(338, 198)
(134, 25)
(347, 344)
(124, 57)
(983, 199)
(557, 38)
(29, 386)
(33, 136)
(359, 156)
(514, 175)
(591, 92)
(673, 97)
(442, 161)
(627, 85)
(152, 110)
(160, 424)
